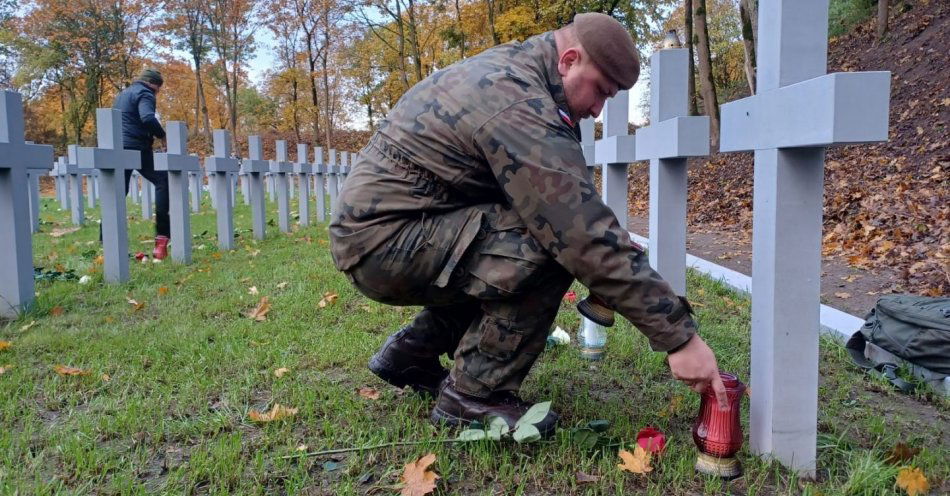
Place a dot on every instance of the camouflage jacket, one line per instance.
(495, 128)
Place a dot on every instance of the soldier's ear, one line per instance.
(570, 58)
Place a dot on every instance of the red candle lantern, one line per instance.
(718, 433)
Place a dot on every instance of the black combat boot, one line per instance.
(405, 360)
(458, 409)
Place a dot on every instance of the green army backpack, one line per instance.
(915, 328)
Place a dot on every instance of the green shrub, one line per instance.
(844, 15)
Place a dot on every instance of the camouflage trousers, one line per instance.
(490, 292)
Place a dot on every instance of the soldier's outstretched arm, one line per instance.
(540, 167)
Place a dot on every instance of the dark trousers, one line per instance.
(160, 180)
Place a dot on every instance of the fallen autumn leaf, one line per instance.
(259, 313)
(368, 393)
(417, 479)
(328, 298)
(637, 462)
(64, 370)
(277, 412)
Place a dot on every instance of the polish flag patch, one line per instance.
(565, 117)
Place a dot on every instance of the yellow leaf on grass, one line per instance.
(259, 313)
(843, 295)
(64, 370)
(5, 368)
(637, 462)
(56, 311)
(98, 260)
(282, 285)
(28, 326)
(417, 479)
(5, 345)
(252, 291)
(328, 298)
(913, 481)
(105, 377)
(368, 393)
(136, 305)
(277, 412)
(281, 371)
(163, 290)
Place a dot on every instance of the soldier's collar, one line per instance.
(548, 49)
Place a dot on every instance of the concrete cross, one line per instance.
(219, 165)
(16, 243)
(302, 168)
(344, 169)
(254, 167)
(147, 194)
(333, 184)
(134, 188)
(33, 177)
(232, 185)
(279, 169)
(61, 174)
(112, 161)
(178, 163)
(245, 191)
(319, 184)
(271, 187)
(194, 185)
(211, 185)
(614, 152)
(92, 186)
(671, 137)
(798, 112)
(291, 186)
(75, 184)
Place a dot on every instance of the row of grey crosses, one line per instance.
(797, 112)
(105, 166)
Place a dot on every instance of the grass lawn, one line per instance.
(164, 408)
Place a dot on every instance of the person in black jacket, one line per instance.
(140, 127)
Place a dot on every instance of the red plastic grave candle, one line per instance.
(718, 432)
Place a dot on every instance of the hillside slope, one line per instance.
(887, 204)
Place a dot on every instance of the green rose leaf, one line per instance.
(497, 427)
(471, 435)
(526, 433)
(585, 439)
(535, 414)
(598, 425)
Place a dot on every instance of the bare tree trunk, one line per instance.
(294, 99)
(312, 77)
(746, 11)
(461, 30)
(710, 101)
(414, 40)
(881, 19)
(691, 83)
(490, 4)
(402, 44)
(328, 110)
(202, 102)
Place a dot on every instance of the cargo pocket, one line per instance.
(499, 340)
(470, 228)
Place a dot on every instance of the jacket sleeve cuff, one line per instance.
(680, 328)
(674, 336)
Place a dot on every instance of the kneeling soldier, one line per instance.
(473, 200)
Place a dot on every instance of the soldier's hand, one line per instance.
(695, 365)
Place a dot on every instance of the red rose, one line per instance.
(570, 296)
(651, 440)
